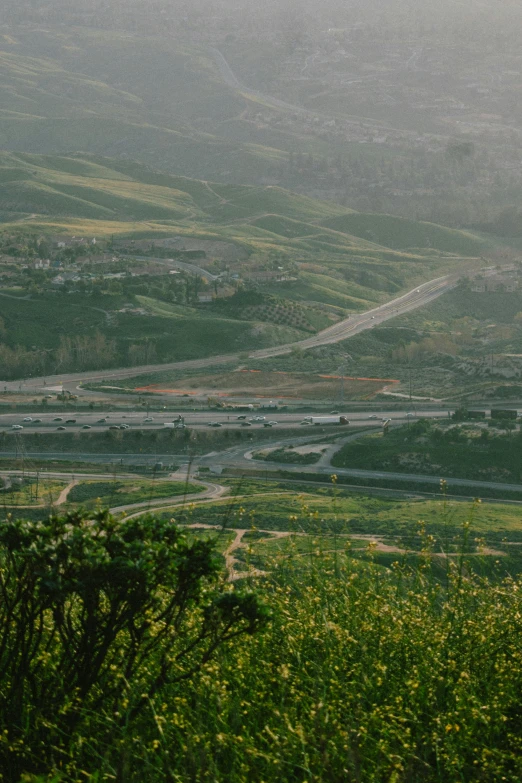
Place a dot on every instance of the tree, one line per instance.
(97, 616)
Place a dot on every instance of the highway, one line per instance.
(354, 324)
(61, 423)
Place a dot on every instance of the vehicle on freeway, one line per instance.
(410, 414)
(27, 418)
(214, 424)
(61, 428)
(242, 417)
(329, 420)
(148, 419)
(246, 424)
(334, 413)
(272, 423)
(17, 427)
(124, 426)
(101, 421)
(266, 424)
(70, 421)
(58, 418)
(373, 416)
(37, 421)
(305, 422)
(114, 427)
(86, 427)
(373, 318)
(307, 418)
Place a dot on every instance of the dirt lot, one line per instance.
(275, 385)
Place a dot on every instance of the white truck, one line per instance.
(329, 420)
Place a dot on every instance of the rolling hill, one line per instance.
(334, 268)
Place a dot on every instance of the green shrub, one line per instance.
(98, 617)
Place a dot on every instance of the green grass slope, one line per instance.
(402, 233)
(332, 270)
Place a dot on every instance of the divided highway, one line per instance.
(23, 423)
(354, 324)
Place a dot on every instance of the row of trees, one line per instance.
(82, 352)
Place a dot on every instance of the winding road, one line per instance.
(354, 324)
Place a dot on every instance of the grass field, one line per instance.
(383, 530)
(120, 493)
(465, 451)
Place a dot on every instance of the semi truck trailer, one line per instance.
(329, 420)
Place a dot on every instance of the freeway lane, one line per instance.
(47, 423)
(417, 297)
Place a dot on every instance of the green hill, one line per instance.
(328, 270)
(402, 234)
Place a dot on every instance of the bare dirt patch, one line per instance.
(276, 385)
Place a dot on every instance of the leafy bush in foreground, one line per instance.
(98, 617)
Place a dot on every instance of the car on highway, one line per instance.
(86, 427)
(114, 427)
(61, 428)
(101, 421)
(410, 414)
(17, 427)
(214, 424)
(306, 423)
(246, 424)
(373, 416)
(37, 421)
(58, 418)
(242, 417)
(148, 419)
(70, 421)
(334, 413)
(272, 423)
(266, 424)
(27, 418)
(124, 426)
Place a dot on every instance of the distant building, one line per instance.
(494, 284)
(204, 298)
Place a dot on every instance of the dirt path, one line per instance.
(64, 494)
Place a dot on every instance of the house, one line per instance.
(494, 284)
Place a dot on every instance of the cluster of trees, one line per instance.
(75, 353)
(429, 346)
(85, 352)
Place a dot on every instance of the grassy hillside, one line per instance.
(401, 233)
(329, 272)
(385, 658)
